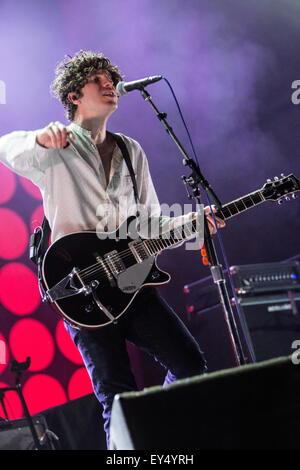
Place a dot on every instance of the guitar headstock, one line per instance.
(281, 188)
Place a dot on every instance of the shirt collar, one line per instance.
(80, 130)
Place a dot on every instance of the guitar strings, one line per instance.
(154, 242)
(87, 272)
(123, 255)
(103, 271)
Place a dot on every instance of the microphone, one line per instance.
(123, 88)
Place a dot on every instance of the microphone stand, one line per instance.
(194, 180)
(18, 368)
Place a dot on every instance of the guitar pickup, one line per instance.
(115, 262)
(106, 268)
(139, 250)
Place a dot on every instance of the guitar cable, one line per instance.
(35, 246)
(36, 240)
(218, 231)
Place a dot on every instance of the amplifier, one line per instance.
(16, 434)
(255, 279)
(272, 323)
(248, 280)
(268, 297)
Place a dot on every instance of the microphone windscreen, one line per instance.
(120, 89)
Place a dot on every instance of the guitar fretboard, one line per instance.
(173, 237)
(154, 246)
(240, 205)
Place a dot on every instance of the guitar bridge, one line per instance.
(68, 288)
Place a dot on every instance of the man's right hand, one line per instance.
(54, 136)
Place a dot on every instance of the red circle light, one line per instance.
(31, 338)
(19, 291)
(30, 188)
(66, 345)
(13, 234)
(12, 404)
(79, 384)
(42, 391)
(8, 184)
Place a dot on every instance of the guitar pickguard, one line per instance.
(133, 277)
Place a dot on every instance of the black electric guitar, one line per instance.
(92, 280)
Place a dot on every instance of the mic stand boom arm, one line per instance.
(193, 181)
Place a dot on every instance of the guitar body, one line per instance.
(93, 278)
(112, 294)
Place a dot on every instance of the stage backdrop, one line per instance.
(234, 68)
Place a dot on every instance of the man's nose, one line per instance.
(107, 84)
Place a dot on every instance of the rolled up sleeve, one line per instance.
(20, 152)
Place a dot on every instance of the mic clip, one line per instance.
(184, 180)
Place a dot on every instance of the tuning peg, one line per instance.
(287, 198)
(282, 175)
(280, 201)
(276, 178)
(269, 180)
(294, 196)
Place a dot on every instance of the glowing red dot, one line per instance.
(66, 344)
(8, 184)
(42, 391)
(79, 384)
(4, 354)
(37, 218)
(13, 234)
(12, 404)
(30, 188)
(19, 291)
(29, 337)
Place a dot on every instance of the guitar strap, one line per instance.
(39, 240)
(125, 153)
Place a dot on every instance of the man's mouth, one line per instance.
(109, 93)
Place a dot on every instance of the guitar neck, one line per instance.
(189, 230)
(240, 205)
(171, 238)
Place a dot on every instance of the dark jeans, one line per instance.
(153, 326)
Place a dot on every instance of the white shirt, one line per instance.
(73, 183)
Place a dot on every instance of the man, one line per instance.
(79, 170)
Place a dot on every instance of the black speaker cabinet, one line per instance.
(210, 330)
(16, 434)
(267, 326)
(255, 406)
(272, 324)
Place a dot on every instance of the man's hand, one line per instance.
(54, 136)
(220, 222)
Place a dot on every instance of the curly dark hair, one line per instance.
(73, 73)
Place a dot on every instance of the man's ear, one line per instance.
(72, 97)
